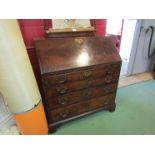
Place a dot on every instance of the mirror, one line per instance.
(69, 27)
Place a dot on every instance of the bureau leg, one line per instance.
(112, 108)
(52, 129)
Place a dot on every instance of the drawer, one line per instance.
(78, 85)
(95, 72)
(77, 109)
(74, 97)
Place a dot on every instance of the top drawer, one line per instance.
(95, 72)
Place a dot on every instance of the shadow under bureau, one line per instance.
(79, 76)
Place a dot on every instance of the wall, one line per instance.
(31, 29)
(34, 28)
(127, 39)
(100, 27)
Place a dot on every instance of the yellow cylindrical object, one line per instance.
(17, 81)
(32, 122)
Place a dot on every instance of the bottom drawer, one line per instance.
(77, 109)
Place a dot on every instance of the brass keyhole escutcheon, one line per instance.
(87, 84)
(78, 40)
(109, 72)
(62, 89)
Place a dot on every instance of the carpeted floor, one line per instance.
(134, 114)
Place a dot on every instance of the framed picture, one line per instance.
(70, 23)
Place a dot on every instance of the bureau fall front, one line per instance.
(79, 76)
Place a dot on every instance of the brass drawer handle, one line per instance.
(107, 89)
(61, 78)
(62, 89)
(108, 78)
(64, 114)
(105, 102)
(87, 74)
(62, 100)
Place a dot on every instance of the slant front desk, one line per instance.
(79, 76)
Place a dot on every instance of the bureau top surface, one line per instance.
(58, 54)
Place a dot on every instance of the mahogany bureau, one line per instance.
(79, 76)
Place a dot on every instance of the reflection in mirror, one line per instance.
(70, 23)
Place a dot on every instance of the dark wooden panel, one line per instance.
(60, 54)
(65, 88)
(82, 74)
(74, 97)
(76, 109)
